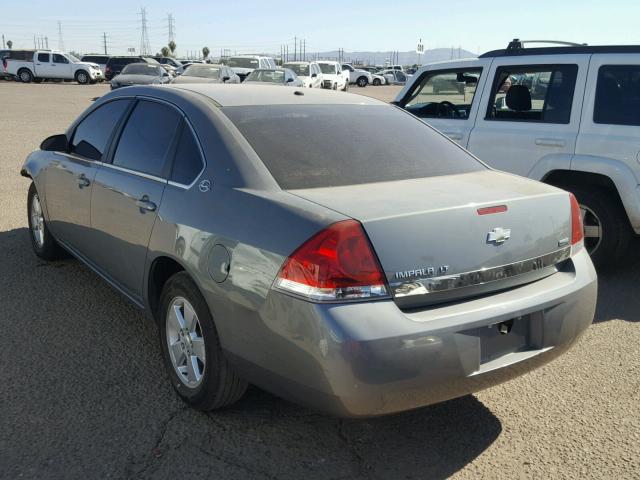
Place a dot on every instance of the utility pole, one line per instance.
(145, 47)
(3, 44)
(172, 26)
(295, 48)
(60, 41)
(46, 41)
(104, 41)
(304, 50)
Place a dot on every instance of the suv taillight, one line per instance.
(577, 229)
(338, 263)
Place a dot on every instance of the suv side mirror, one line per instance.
(55, 143)
(314, 75)
(289, 80)
(226, 79)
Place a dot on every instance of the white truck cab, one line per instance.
(335, 78)
(53, 64)
(568, 116)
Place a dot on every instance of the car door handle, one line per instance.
(453, 135)
(82, 181)
(550, 142)
(145, 204)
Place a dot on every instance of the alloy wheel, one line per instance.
(185, 342)
(592, 229)
(37, 221)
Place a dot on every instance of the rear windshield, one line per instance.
(328, 68)
(312, 146)
(141, 69)
(301, 69)
(268, 76)
(202, 71)
(241, 62)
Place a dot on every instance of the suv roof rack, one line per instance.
(516, 47)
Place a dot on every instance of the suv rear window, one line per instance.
(310, 146)
(618, 95)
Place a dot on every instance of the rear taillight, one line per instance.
(337, 263)
(577, 229)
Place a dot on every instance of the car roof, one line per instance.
(254, 95)
(572, 50)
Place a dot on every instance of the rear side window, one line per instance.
(618, 95)
(91, 137)
(146, 138)
(187, 163)
(43, 57)
(538, 93)
(309, 146)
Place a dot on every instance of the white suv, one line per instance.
(568, 116)
(243, 65)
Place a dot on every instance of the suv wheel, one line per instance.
(82, 77)
(362, 82)
(606, 228)
(25, 75)
(191, 348)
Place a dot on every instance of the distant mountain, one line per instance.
(404, 58)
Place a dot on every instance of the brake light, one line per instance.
(577, 229)
(338, 263)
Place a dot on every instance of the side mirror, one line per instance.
(225, 79)
(55, 143)
(289, 80)
(314, 75)
(165, 74)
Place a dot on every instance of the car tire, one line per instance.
(82, 77)
(335, 85)
(218, 384)
(346, 87)
(362, 82)
(43, 243)
(601, 208)
(376, 82)
(25, 75)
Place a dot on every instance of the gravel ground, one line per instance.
(85, 394)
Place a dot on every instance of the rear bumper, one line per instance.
(367, 359)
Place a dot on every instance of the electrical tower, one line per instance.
(172, 26)
(60, 41)
(104, 41)
(145, 47)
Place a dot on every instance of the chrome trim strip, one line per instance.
(133, 172)
(424, 286)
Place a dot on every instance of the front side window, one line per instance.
(57, 58)
(145, 140)
(43, 57)
(539, 93)
(187, 163)
(91, 137)
(618, 95)
(443, 94)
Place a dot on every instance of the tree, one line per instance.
(165, 51)
(205, 52)
(9, 44)
(172, 47)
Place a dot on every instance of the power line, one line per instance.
(145, 47)
(172, 26)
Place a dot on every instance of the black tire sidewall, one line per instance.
(50, 250)
(24, 70)
(181, 285)
(86, 75)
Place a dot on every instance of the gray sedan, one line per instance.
(333, 250)
(140, 74)
(274, 76)
(206, 73)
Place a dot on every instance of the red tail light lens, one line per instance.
(577, 229)
(337, 263)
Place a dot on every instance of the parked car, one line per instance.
(567, 116)
(4, 54)
(38, 65)
(274, 76)
(296, 284)
(308, 72)
(357, 76)
(377, 80)
(243, 65)
(115, 64)
(100, 60)
(333, 76)
(207, 73)
(140, 74)
(394, 76)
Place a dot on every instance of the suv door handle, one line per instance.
(82, 180)
(145, 204)
(550, 142)
(453, 135)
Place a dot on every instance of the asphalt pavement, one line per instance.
(84, 393)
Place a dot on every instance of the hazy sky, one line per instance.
(373, 25)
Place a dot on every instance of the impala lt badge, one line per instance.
(499, 235)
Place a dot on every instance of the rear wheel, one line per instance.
(191, 348)
(44, 245)
(606, 228)
(25, 75)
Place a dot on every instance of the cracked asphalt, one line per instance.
(84, 394)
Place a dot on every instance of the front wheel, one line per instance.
(606, 229)
(376, 82)
(82, 77)
(43, 243)
(346, 87)
(191, 348)
(362, 82)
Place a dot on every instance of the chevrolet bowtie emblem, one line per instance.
(499, 235)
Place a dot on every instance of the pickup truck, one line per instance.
(38, 65)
